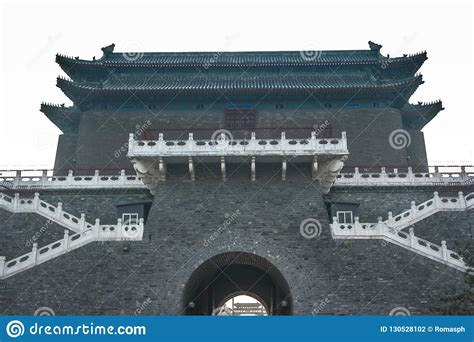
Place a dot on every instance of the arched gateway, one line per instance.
(227, 275)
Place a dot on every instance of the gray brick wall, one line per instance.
(102, 134)
(351, 277)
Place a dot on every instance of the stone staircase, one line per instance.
(36, 205)
(85, 233)
(423, 210)
(390, 230)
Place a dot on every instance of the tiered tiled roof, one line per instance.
(417, 116)
(325, 84)
(244, 59)
(65, 118)
(346, 74)
(80, 69)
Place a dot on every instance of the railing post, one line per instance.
(66, 239)
(96, 177)
(379, 227)
(59, 211)
(283, 141)
(161, 143)
(253, 142)
(413, 209)
(123, 179)
(462, 200)
(131, 143)
(96, 229)
(356, 225)
(70, 175)
(141, 226)
(344, 140)
(436, 173)
(412, 237)
(390, 221)
(82, 222)
(34, 252)
(191, 141)
(444, 250)
(36, 201)
(383, 175)
(16, 201)
(356, 175)
(437, 201)
(335, 224)
(2, 266)
(410, 174)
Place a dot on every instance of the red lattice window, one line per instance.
(240, 118)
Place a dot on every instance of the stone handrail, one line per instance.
(421, 211)
(97, 232)
(384, 178)
(36, 205)
(41, 179)
(408, 241)
(225, 146)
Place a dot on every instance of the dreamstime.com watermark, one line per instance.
(320, 306)
(140, 129)
(229, 219)
(38, 234)
(16, 328)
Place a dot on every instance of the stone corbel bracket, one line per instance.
(149, 171)
(326, 171)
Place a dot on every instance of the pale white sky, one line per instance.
(33, 32)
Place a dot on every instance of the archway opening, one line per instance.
(229, 275)
(241, 304)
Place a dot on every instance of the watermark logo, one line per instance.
(141, 307)
(310, 228)
(44, 311)
(311, 53)
(140, 130)
(132, 56)
(221, 138)
(320, 306)
(15, 329)
(400, 311)
(399, 139)
(229, 219)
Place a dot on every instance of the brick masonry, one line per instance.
(103, 135)
(353, 277)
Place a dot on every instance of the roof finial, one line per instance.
(374, 46)
(108, 48)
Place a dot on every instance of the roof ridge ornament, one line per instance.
(108, 49)
(374, 46)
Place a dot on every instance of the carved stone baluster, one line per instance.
(444, 250)
(66, 240)
(412, 238)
